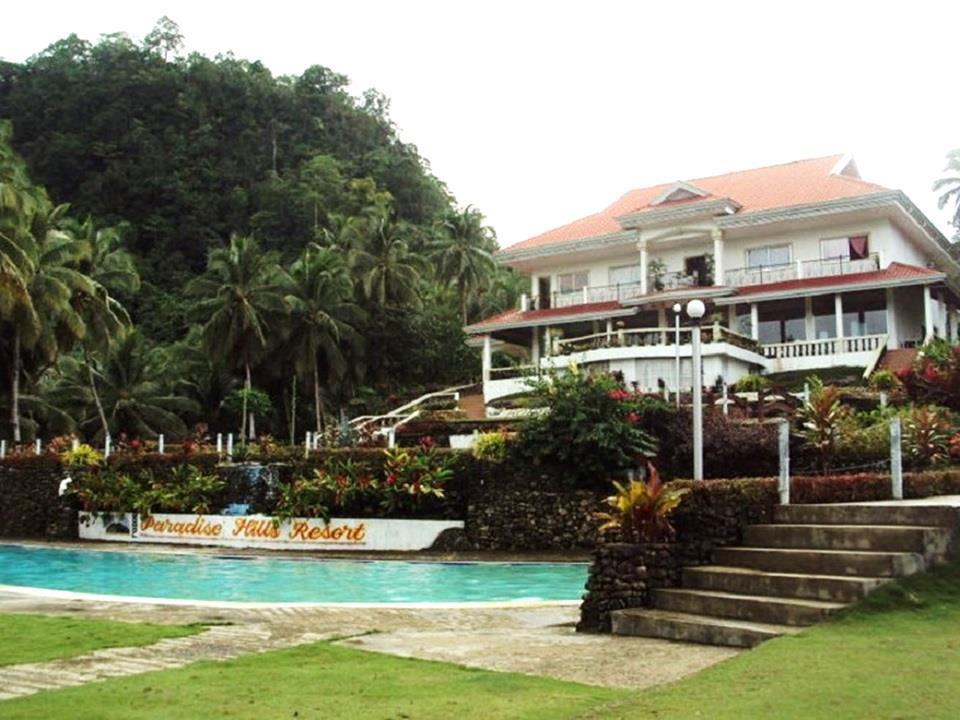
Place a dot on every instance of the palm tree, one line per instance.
(323, 317)
(132, 395)
(384, 265)
(41, 314)
(110, 269)
(950, 185)
(241, 295)
(464, 253)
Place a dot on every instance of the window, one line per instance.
(864, 313)
(854, 247)
(770, 255)
(571, 282)
(782, 321)
(625, 275)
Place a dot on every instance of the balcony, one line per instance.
(660, 282)
(764, 274)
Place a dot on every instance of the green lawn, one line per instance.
(896, 656)
(35, 638)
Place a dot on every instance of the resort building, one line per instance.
(801, 266)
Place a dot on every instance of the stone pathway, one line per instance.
(531, 640)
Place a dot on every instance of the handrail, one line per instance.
(713, 332)
(875, 358)
(362, 421)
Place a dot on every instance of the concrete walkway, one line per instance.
(531, 640)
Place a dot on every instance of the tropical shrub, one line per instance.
(491, 446)
(641, 509)
(883, 380)
(822, 419)
(186, 489)
(732, 447)
(926, 436)
(105, 491)
(83, 455)
(935, 375)
(414, 475)
(751, 383)
(590, 430)
(304, 497)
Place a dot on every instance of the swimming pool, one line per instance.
(205, 577)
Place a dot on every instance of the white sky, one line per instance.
(540, 113)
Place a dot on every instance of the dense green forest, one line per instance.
(184, 237)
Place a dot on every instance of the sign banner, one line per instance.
(253, 531)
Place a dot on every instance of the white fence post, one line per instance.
(229, 446)
(306, 444)
(160, 443)
(219, 445)
(38, 447)
(783, 484)
(726, 400)
(896, 460)
(3, 449)
(107, 443)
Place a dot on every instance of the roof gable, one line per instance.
(678, 192)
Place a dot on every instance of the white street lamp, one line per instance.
(677, 309)
(696, 310)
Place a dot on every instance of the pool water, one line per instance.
(189, 576)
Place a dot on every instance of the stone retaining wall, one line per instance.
(30, 506)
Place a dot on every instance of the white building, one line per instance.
(802, 266)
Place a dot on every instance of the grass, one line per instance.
(36, 638)
(318, 681)
(897, 655)
(894, 656)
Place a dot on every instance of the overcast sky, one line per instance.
(539, 113)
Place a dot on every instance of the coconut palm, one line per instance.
(384, 265)
(463, 254)
(241, 296)
(132, 395)
(322, 318)
(110, 269)
(950, 185)
(43, 321)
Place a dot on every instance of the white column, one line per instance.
(546, 350)
(732, 317)
(609, 329)
(644, 264)
(838, 310)
(717, 235)
(487, 358)
(524, 302)
(810, 325)
(754, 321)
(942, 314)
(893, 340)
(535, 346)
(662, 323)
(928, 320)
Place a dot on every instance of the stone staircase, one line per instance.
(811, 562)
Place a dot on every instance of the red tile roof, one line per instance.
(776, 186)
(894, 271)
(525, 316)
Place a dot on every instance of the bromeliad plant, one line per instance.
(641, 510)
(927, 436)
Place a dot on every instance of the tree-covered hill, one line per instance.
(171, 155)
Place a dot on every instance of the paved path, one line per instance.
(530, 640)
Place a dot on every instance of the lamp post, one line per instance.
(695, 311)
(677, 308)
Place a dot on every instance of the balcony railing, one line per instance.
(653, 336)
(617, 292)
(763, 274)
(826, 346)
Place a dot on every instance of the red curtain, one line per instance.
(858, 247)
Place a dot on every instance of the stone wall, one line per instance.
(622, 576)
(509, 509)
(30, 506)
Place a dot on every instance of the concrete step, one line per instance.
(643, 622)
(822, 562)
(747, 581)
(762, 609)
(927, 515)
(885, 538)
